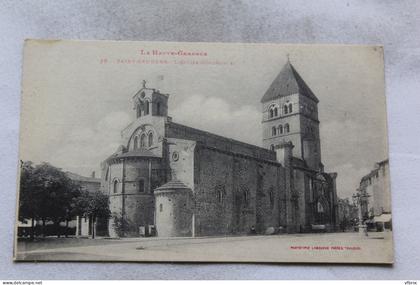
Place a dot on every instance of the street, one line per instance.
(349, 247)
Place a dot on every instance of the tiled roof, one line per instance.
(139, 152)
(77, 177)
(383, 162)
(288, 82)
(173, 184)
(133, 153)
(375, 171)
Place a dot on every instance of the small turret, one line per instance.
(149, 101)
(174, 212)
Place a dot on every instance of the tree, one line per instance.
(46, 193)
(29, 195)
(58, 193)
(93, 205)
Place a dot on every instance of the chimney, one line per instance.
(284, 152)
(93, 174)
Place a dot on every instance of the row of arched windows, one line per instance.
(274, 110)
(144, 141)
(140, 188)
(221, 193)
(280, 129)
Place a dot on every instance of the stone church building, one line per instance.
(173, 180)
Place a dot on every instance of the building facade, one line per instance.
(375, 204)
(347, 214)
(173, 180)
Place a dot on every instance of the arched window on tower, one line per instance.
(276, 112)
(286, 128)
(143, 141)
(273, 131)
(146, 108)
(115, 186)
(138, 109)
(150, 139)
(290, 108)
(141, 185)
(158, 109)
(280, 129)
(285, 109)
(271, 113)
(136, 142)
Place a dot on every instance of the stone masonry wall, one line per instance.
(137, 203)
(232, 193)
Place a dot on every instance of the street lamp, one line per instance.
(358, 200)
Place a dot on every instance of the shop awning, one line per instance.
(384, 218)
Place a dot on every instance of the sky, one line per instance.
(77, 98)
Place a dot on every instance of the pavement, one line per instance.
(348, 247)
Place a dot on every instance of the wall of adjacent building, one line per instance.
(381, 193)
(90, 186)
(376, 186)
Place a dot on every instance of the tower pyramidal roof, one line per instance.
(288, 82)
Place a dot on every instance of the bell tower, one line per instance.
(150, 102)
(290, 114)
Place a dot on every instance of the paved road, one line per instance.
(331, 247)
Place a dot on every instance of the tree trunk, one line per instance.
(32, 228)
(43, 227)
(67, 227)
(57, 228)
(93, 227)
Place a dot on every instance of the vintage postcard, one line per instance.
(203, 152)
